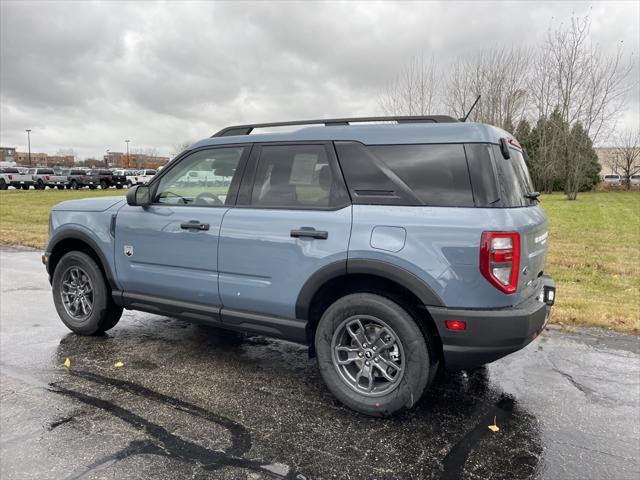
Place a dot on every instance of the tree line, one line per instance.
(558, 98)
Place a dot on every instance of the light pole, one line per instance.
(29, 142)
(128, 161)
(106, 160)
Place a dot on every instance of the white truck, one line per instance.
(46, 177)
(139, 177)
(11, 177)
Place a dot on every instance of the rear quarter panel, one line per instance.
(442, 247)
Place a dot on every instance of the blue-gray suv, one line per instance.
(390, 245)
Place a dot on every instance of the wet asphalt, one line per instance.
(197, 402)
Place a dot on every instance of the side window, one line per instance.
(437, 174)
(203, 178)
(296, 176)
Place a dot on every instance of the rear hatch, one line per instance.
(524, 215)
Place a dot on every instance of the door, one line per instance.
(167, 253)
(293, 217)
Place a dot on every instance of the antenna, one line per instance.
(471, 109)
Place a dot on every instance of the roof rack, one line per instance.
(329, 122)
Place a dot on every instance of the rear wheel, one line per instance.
(24, 187)
(372, 355)
(81, 295)
(119, 187)
(74, 185)
(104, 185)
(3, 184)
(60, 187)
(40, 185)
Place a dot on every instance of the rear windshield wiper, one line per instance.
(532, 195)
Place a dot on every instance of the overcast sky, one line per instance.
(88, 75)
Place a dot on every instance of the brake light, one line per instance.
(109, 177)
(458, 325)
(500, 259)
(46, 177)
(81, 178)
(10, 177)
(136, 179)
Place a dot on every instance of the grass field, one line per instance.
(594, 249)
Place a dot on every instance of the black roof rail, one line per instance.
(328, 122)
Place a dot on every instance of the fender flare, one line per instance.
(378, 268)
(86, 238)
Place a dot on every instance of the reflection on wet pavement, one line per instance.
(193, 401)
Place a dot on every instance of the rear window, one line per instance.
(151, 172)
(513, 178)
(45, 171)
(437, 174)
(77, 172)
(9, 170)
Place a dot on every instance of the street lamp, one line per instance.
(128, 161)
(28, 130)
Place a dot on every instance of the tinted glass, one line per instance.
(513, 179)
(203, 178)
(9, 170)
(150, 172)
(45, 171)
(296, 176)
(437, 174)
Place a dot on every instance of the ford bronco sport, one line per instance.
(389, 248)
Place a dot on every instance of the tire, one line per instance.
(92, 187)
(3, 184)
(24, 187)
(40, 185)
(119, 187)
(74, 185)
(377, 316)
(60, 187)
(103, 313)
(129, 184)
(104, 185)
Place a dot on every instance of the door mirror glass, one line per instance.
(139, 196)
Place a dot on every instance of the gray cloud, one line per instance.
(88, 75)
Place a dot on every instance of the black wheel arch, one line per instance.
(365, 275)
(67, 241)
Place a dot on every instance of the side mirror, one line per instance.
(139, 196)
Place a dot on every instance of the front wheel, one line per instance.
(81, 295)
(3, 184)
(119, 187)
(372, 355)
(25, 187)
(104, 185)
(74, 185)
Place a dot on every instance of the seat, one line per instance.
(280, 191)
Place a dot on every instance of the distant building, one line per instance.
(135, 160)
(44, 160)
(7, 154)
(609, 157)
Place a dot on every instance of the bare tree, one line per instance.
(626, 157)
(585, 86)
(414, 91)
(499, 76)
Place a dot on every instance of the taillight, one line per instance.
(81, 179)
(109, 177)
(46, 177)
(136, 179)
(10, 177)
(500, 259)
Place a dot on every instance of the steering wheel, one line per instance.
(204, 197)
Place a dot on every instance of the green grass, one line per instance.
(24, 214)
(594, 251)
(594, 257)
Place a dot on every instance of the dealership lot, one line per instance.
(194, 401)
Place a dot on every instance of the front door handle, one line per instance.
(317, 234)
(194, 225)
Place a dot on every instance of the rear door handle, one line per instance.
(194, 225)
(317, 234)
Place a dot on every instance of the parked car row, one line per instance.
(615, 180)
(71, 178)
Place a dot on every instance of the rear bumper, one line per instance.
(491, 334)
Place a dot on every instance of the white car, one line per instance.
(139, 177)
(634, 180)
(12, 177)
(612, 180)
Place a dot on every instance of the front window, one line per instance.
(203, 178)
